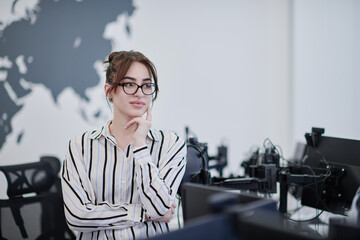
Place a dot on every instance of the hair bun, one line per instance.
(112, 55)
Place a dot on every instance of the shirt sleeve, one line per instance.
(82, 212)
(158, 184)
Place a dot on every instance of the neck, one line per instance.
(117, 127)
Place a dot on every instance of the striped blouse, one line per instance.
(107, 192)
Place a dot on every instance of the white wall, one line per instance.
(326, 58)
(223, 69)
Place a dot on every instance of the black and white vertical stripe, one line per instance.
(107, 192)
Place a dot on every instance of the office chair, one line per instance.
(34, 208)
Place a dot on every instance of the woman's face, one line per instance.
(131, 106)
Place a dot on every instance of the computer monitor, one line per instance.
(338, 160)
(196, 200)
(212, 212)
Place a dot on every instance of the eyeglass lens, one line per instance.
(147, 89)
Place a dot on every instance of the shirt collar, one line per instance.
(105, 132)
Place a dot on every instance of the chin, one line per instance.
(132, 112)
(137, 113)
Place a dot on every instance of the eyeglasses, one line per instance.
(131, 88)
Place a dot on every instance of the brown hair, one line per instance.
(119, 64)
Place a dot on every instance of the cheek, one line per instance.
(148, 102)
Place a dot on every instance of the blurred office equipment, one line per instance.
(34, 209)
(215, 213)
(324, 174)
(199, 162)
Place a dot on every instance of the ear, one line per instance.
(108, 94)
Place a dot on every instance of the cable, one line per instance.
(295, 210)
(281, 155)
(321, 178)
(268, 140)
(316, 182)
(178, 210)
(324, 176)
(326, 162)
(306, 220)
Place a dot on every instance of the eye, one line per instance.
(129, 84)
(147, 85)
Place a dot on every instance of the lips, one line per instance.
(137, 104)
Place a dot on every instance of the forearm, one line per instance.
(156, 193)
(92, 220)
(84, 214)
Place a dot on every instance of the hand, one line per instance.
(167, 217)
(142, 128)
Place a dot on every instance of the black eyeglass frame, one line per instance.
(138, 86)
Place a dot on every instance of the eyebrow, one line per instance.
(133, 79)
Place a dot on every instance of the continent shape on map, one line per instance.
(57, 50)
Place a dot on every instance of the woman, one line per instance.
(120, 182)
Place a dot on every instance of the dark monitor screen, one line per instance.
(195, 200)
(339, 159)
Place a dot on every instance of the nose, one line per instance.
(139, 92)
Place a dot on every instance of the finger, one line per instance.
(174, 205)
(148, 114)
(131, 122)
